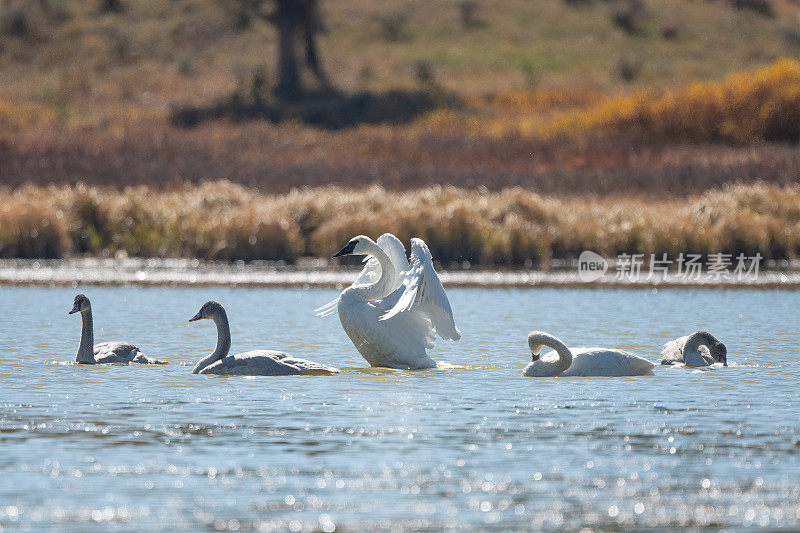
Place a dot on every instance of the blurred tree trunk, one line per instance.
(287, 19)
(291, 18)
(312, 24)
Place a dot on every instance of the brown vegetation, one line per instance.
(745, 108)
(510, 227)
(275, 160)
(553, 141)
(489, 141)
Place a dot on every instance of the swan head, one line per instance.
(535, 346)
(209, 310)
(81, 304)
(719, 352)
(357, 246)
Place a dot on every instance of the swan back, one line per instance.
(605, 362)
(266, 363)
(122, 352)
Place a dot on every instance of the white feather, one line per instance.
(394, 320)
(424, 294)
(563, 361)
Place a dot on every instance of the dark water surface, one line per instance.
(478, 445)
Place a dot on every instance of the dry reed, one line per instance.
(220, 220)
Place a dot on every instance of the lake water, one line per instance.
(155, 448)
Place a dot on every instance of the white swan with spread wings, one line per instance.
(394, 309)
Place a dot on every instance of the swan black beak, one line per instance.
(195, 318)
(347, 250)
(74, 310)
(536, 352)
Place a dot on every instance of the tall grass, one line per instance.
(220, 220)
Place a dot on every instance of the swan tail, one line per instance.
(328, 309)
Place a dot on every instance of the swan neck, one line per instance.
(539, 339)
(698, 339)
(223, 346)
(381, 287)
(86, 348)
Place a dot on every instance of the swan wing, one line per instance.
(266, 363)
(143, 359)
(115, 352)
(372, 270)
(607, 362)
(423, 294)
(121, 352)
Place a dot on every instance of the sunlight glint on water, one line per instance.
(157, 448)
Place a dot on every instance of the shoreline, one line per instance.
(314, 273)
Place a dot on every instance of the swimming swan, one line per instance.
(104, 352)
(701, 348)
(394, 309)
(254, 363)
(581, 361)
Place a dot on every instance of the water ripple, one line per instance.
(469, 445)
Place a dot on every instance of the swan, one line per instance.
(581, 361)
(254, 363)
(104, 352)
(394, 309)
(701, 348)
